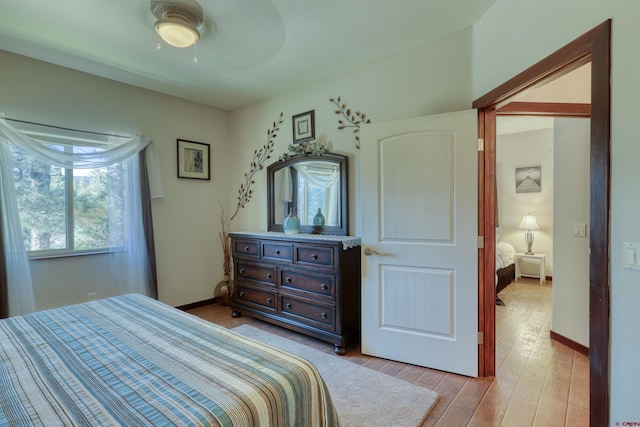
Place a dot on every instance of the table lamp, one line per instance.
(529, 223)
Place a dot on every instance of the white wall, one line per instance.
(515, 34)
(420, 81)
(533, 148)
(571, 205)
(186, 220)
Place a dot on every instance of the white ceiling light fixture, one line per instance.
(177, 22)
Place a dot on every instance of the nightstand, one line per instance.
(537, 257)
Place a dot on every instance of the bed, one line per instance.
(131, 360)
(505, 267)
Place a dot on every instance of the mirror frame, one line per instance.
(337, 230)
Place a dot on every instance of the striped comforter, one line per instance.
(133, 361)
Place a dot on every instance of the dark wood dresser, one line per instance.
(305, 282)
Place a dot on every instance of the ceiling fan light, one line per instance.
(177, 34)
(177, 21)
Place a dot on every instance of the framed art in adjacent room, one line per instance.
(529, 179)
(303, 127)
(193, 160)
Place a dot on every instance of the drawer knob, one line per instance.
(324, 315)
(288, 305)
(246, 248)
(287, 279)
(268, 300)
(268, 275)
(314, 256)
(277, 251)
(241, 293)
(241, 271)
(324, 287)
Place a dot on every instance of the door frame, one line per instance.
(594, 47)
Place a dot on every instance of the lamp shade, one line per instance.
(529, 223)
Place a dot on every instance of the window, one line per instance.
(318, 187)
(69, 211)
(88, 195)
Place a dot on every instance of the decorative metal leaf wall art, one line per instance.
(350, 119)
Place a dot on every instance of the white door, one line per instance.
(419, 239)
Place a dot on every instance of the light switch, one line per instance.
(631, 254)
(579, 229)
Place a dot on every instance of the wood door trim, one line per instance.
(554, 109)
(595, 47)
(483, 345)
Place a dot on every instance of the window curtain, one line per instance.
(147, 219)
(16, 294)
(132, 266)
(283, 193)
(327, 177)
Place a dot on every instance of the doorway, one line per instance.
(593, 47)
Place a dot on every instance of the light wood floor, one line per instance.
(539, 382)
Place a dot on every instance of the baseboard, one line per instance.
(196, 304)
(569, 343)
(535, 276)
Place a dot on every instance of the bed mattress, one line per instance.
(131, 360)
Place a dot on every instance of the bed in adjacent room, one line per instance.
(505, 267)
(131, 360)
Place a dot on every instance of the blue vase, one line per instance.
(319, 218)
(291, 223)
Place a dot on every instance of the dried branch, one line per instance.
(353, 120)
(224, 240)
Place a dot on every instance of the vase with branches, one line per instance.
(224, 241)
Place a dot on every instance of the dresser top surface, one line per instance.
(347, 241)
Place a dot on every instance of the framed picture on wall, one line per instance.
(193, 160)
(528, 179)
(303, 127)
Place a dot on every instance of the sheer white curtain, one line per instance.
(129, 265)
(19, 292)
(130, 268)
(327, 177)
(45, 147)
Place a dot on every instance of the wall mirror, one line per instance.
(311, 185)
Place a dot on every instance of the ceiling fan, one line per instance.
(177, 21)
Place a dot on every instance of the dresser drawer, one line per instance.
(247, 296)
(277, 251)
(262, 273)
(314, 256)
(319, 284)
(246, 248)
(318, 315)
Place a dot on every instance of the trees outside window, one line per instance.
(66, 211)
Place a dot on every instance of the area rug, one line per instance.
(362, 396)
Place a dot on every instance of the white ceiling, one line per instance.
(249, 50)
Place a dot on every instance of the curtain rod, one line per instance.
(61, 128)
